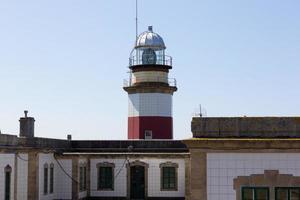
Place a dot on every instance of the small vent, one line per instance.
(148, 134)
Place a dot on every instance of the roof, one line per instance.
(109, 146)
(150, 39)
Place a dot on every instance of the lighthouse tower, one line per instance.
(149, 89)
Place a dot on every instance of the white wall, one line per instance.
(22, 173)
(45, 159)
(222, 168)
(120, 183)
(154, 178)
(7, 159)
(62, 183)
(150, 104)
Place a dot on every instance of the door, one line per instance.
(137, 182)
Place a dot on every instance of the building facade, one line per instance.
(44, 168)
(237, 158)
(245, 158)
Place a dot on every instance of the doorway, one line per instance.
(137, 182)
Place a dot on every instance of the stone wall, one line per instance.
(259, 127)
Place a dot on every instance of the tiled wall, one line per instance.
(6, 159)
(22, 173)
(120, 183)
(222, 168)
(150, 104)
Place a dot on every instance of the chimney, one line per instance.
(26, 126)
(69, 137)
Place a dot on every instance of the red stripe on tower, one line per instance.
(149, 89)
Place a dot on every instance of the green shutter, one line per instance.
(168, 178)
(105, 180)
(255, 193)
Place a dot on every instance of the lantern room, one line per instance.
(149, 49)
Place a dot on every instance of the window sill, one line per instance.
(175, 189)
(105, 189)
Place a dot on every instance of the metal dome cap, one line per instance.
(149, 39)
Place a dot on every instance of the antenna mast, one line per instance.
(136, 19)
(200, 114)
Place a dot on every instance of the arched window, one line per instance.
(51, 190)
(169, 174)
(7, 171)
(46, 178)
(105, 176)
(82, 176)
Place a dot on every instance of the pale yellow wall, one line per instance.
(149, 76)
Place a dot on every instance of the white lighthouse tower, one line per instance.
(149, 89)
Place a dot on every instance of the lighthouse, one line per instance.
(149, 88)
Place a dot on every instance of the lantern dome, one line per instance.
(149, 39)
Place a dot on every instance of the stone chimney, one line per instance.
(26, 126)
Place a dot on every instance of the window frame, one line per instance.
(148, 137)
(165, 165)
(51, 179)
(112, 166)
(254, 190)
(85, 178)
(82, 177)
(7, 188)
(288, 188)
(46, 178)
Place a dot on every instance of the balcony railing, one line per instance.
(170, 81)
(160, 60)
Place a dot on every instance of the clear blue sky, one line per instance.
(65, 61)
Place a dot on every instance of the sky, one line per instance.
(65, 61)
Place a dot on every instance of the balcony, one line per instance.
(160, 60)
(171, 82)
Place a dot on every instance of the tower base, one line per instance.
(160, 127)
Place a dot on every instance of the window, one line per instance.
(148, 134)
(82, 177)
(168, 176)
(255, 193)
(51, 178)
(7, 172)
(105, 176)
(45, 179)
(287, 193)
